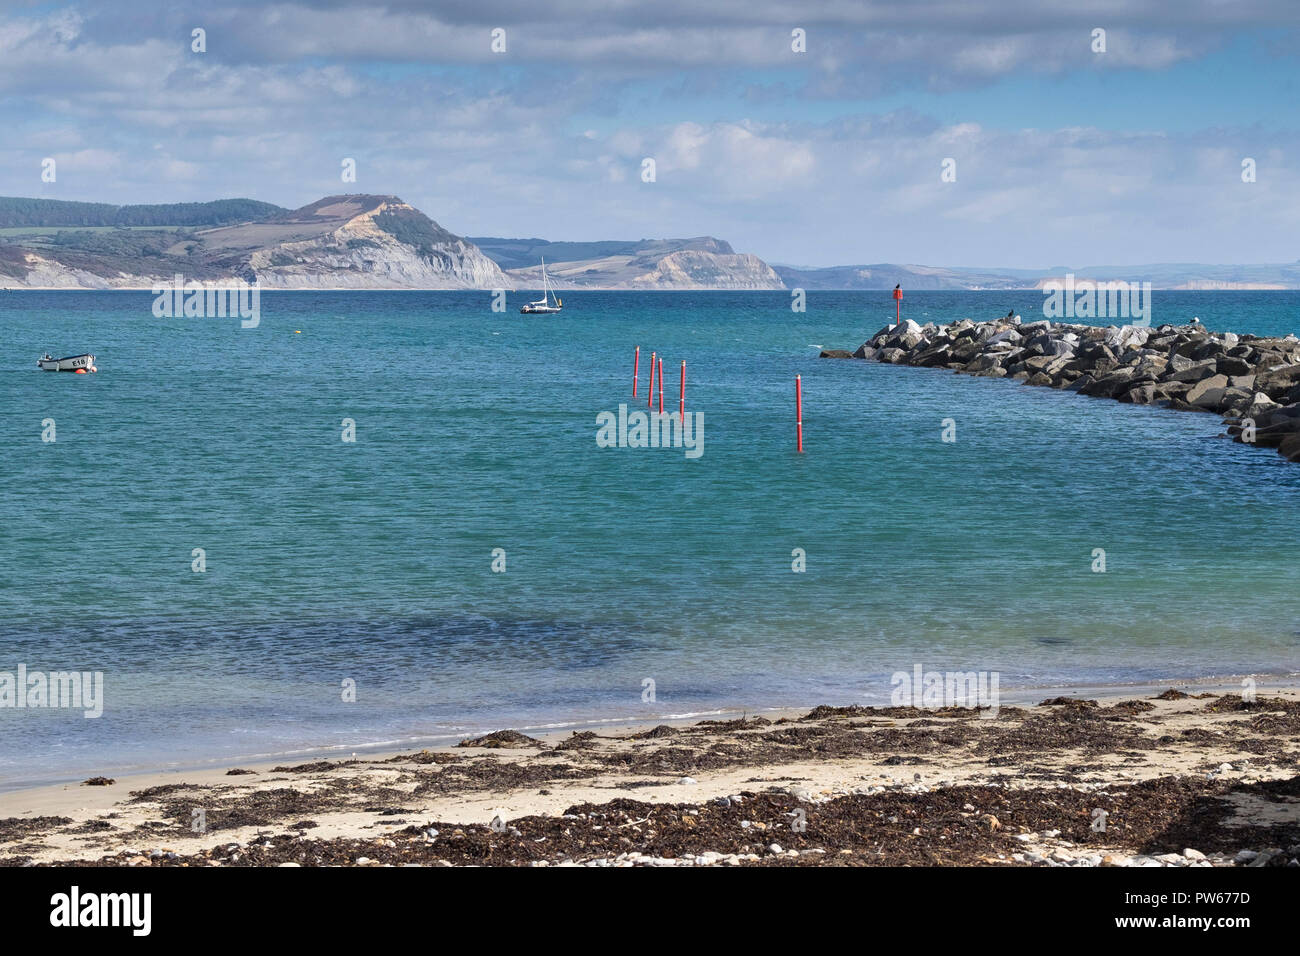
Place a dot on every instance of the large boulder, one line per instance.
(1165, 391)
(930, 357)
(1192, 373)
(1277, 382)
(983, 363)
(1226, 365)
(1111, 384)
(1140, 395)
(1207, 392)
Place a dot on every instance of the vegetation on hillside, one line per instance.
(415, 229)
(62, 214)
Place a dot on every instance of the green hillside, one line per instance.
(61, 214)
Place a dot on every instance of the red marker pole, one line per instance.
(650, 399)
(661, 386)
(798, 409)
(636, 369)
(681, 401)
(898, 306)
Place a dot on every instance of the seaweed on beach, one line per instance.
(425, 757)
(1235, 703)
(16, 828)
(1075, 702)
(490, 774)
(656, 733)
(1070, 726)
(501, 738)
(1040, 749)
(317, 766)
(92, 826)
(962, 825)
(727, 726)
(151, 794)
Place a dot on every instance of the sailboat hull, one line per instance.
(543, 305)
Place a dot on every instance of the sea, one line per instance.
(251, 584)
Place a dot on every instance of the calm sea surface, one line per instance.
(372, 561)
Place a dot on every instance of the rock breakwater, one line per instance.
(1252, 381)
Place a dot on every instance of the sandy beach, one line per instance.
(1200, 778)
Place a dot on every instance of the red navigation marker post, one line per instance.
(898, 299)
(636, 369)
(798, 410)
(681, 401)
(650, 399)
(661, 386)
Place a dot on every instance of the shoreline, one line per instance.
(1252, 382)
(585, 288)
(1180, 757)
(1014, 695)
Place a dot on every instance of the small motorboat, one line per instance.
(543, 305)
(72, 363)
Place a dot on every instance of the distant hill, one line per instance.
(1161, 276)
(350, 242)
(58, 213)
(886, 276)
(699, 263)
(370, 241)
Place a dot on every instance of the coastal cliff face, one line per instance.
(340, 242)
(709, 270)
(645, 265)
(391, 245)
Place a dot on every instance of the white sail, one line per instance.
(545, 300)
(544, 303)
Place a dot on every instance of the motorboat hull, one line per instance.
(71, 363)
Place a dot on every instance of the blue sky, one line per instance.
(1063, 154)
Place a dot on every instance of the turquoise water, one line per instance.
(372, 561)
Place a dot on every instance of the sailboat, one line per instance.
(543, 305)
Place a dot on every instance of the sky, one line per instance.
(944, 132)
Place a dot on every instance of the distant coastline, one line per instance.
(365, 241)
